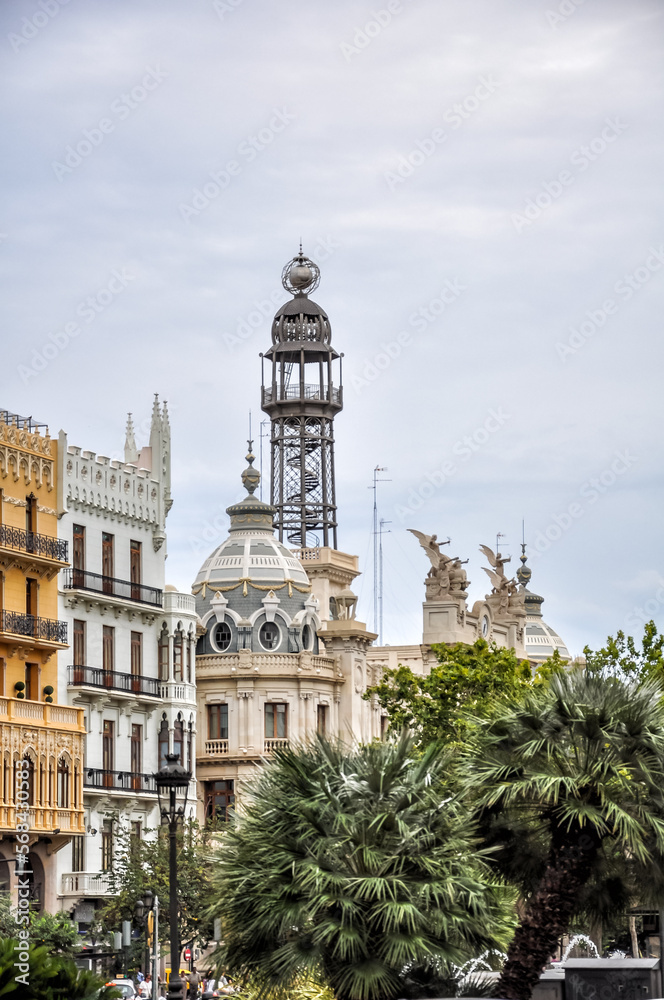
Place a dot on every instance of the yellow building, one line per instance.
(35, 727)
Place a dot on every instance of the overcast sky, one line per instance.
(480, 183)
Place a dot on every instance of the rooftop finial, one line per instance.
(130, 449)
(250, 477)
(300, 275)
(524, 572)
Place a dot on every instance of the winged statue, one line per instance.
(431, 546)
(496, 560)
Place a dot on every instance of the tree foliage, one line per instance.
(49, 977)
(351, 864)
(622, 657)
(568, 784)
(467, 682)
(141, 865)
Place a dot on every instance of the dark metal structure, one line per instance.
(302, 397)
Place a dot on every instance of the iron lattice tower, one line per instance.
(302, 399)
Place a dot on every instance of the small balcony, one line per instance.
(125, 590)
(112, 680)
(216, 748)
(129, 782)
(33, 546)
(85, 884)
(294, 393)
(275, 744)
(29, 630)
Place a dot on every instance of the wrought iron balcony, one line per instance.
(30, 626)
(33, 543)
(112, 680)
(120, 781)
(325, 393)
(81, 579)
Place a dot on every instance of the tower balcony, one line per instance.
(30, 551)
(300, 393)
(112, 590)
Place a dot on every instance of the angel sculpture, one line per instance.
(431, 546)
(446, 577)
(502, 587)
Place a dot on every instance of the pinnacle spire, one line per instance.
(130, 449)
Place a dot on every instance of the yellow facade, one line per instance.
(34, 726)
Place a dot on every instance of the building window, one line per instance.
(163, 742)
(269, 635)
(63, 784)
(30, 518)
(178, 739)
(78, 854)
(219, 799)
(108, 654)
(307, 636)
(3, 675)
(108, 748)
(189, 644)
(218, 722)
(276, 721)
(79, 643)
(177, 656)
(32, 681)
(28, 776)
(163, 656)
(135, 569)
(321, 720)
(222, 637)
(136, 660)
(107, 561)
(135, 836)
(78, 554)
(107, 845)
(136, 758)
(30, 596)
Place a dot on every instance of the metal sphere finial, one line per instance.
(300, 275)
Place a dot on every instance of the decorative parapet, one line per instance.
(24, 452)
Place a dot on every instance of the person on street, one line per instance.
(194, 980)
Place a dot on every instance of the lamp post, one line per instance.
(142, 909)
(171, 779)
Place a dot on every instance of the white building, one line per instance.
(131, 660)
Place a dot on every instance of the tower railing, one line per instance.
(326, 394)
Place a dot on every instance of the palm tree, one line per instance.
(353, 865)
(569, 786)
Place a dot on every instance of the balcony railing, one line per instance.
(46, 629)
(81, 579)
(216, 747)
(275, 744)
(33, 543)
(85, 884)
(112, 680)
(120, 781)
(325, 394)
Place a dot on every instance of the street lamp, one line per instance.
(171, 779)
(142, 909)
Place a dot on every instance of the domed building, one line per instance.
(540, 640)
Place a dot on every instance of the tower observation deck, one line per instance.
(302, 396)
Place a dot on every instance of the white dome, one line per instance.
(540, 641)
(250, 555)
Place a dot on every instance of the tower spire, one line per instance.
(302, 398)
(130, 449)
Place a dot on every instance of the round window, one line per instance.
(222, 637)
(269, 635)
(306, 637)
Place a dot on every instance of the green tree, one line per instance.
(568, 783)
(352, 864)
(466, 682)
(49, 977)
(141, 865)
(56, 932)
(622, 657)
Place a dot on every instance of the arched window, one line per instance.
(63, 784)
(178, 738)
(189, 643)
(25, 784)
(163, 742)
(178, 655)
(163, 655)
